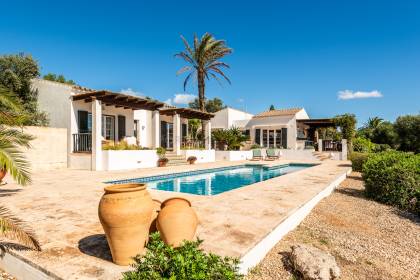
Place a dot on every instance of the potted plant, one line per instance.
(191, 159)
(162, 161)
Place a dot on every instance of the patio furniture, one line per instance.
(271, 154)
(256, 154)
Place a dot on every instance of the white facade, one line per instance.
(228, 117)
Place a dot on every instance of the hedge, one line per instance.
(393, 178)
(357, 160)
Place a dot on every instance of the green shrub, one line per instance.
(161, 152)
(381, 148)
(118, 146)
(357, 160)
(394, 178)
(363, 145)
(187, 262)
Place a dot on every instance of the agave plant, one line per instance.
(12, 160)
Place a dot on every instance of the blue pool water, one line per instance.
(214, 181)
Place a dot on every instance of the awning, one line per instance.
(318, 122)
(186, 113)
(120, 100)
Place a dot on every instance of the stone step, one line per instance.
(175, 163)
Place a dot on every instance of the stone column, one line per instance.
(156, 129)
(96, 135)
(319, 145)
(207, 135)
(343, 149)
(177, 134)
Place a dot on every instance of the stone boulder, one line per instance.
(313, 263)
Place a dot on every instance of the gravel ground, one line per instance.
(369, 240)
(5, 276)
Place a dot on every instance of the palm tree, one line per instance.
(203, 60)
(12, 160)
(373, 123)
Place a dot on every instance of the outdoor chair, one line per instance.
(271, 154)
(256, 154)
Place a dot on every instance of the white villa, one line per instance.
(285, 128)
(93, 117)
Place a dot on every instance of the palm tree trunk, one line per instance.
(201, 100)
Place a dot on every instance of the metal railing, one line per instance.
(82, 142)
(193, 143)
(330, 145)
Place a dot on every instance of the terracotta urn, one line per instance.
(2, 173)
(125, 211)
(156, 210)
(177, 221)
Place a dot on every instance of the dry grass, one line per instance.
(369, 240)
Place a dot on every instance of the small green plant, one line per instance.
(357, 160)
(363, 145)
(188, 262)
(255, 146)
(161, 152)
(118, 146)
(393, 178)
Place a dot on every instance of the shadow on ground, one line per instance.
(96, 246)
(5, 193)
(287, 264)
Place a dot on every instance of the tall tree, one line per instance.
(408, 130)
(272, 108)
(373, 123)
(212, 105)
(16, 73)
(203, 59)
(12, 161)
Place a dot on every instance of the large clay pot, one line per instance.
(177, 221)
(156, 210)
(125, 211)
(2, 173)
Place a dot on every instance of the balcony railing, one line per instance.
(82, 142)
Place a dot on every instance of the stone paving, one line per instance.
(61, 206)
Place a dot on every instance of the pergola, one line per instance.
(312, 125)
(187, 113)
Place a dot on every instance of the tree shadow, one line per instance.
(407, 215)
(95, 245)
(7, 246)
(352, 192)
(8, 192)
(355, 177)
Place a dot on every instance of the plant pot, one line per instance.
(177, 221)
(2, 173)
(156, 210)
(125, 211)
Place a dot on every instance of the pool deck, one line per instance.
(61, 206)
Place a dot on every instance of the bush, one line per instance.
(393, 178)
(363, 145)
(357, 160)
(122, 145)
(381, 148)
(186, 262)
(407, 128)
(161, 152)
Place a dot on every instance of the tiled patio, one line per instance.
(61, 206)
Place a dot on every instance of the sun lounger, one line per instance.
(256, 154)
(271, 154)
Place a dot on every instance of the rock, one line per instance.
(313, 263)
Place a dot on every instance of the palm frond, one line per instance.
(187, 79)
(220, 72)
(183, 70)
(187, 46)
(14, 228)
(13, 160)
(15, 136)
(9, 100)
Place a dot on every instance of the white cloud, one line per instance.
(349, 94)
(130, 91)
(183, 98)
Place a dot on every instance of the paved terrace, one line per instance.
(61, 206)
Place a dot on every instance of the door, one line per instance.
(108, 127)
(163, 134)
(121, 127)
(284, 137)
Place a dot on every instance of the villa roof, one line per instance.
(280, 112)
(119, 100)
(187, 113)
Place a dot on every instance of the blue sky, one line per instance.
(286, 53)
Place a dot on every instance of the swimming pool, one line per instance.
(216, 180)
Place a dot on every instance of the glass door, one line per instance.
(278, 138)
(264, 143)
(271, 138)
(108, 127)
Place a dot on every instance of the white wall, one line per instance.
(302, 115)
(145, 127)
(128, 159)
(229, 117)
(54, 100)
(233, 155)
(48, 149)
(80, 161)
(201, 155)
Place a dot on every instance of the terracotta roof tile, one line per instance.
(276, 113)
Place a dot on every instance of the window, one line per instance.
(265, 134)
(271, 138)
(278, 138)
(246, 133)
(136, 123)
(258, 136)
(108, 127)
